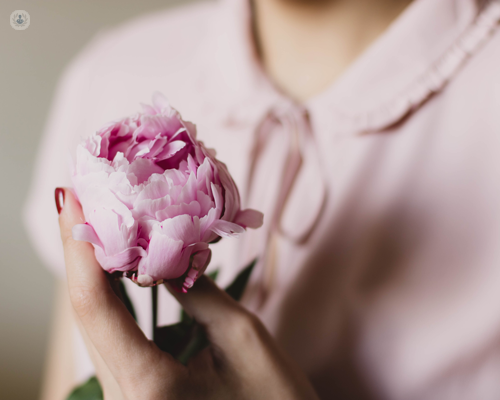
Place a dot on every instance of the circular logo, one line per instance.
(20, 20)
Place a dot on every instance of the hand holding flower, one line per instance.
(242, 362)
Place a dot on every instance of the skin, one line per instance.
(243, 361)
(304, 47)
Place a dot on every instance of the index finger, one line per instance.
(110, 327)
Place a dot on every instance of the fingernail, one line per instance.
(59, 196)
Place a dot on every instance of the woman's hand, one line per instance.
(243, 361)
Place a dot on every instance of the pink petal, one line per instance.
(115, 233)
(176, 177)
(189, 190)
(143, 168)
(219, 201)
(93, 145)
(204, 176)
(127, 260)
(192, 209)
(182, 227)
(190, 128)
(205, 202)
(86, 163)
(171, 149)
(226, 228)
(231, 194)
(85, 233)
(147, 109)
(150, 207)
(163, 258)
(249, 218)
(178, 284)
(160, 102)
(199, 264)
(192, 167)
(154, 148)
(145, 280)
(206, 223)
(157, 187)
(152, 125)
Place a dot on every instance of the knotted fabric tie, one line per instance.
(295, 122)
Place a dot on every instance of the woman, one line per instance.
(368, 134)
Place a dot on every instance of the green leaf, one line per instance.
(181, 340)
(90, 390)
(173, 338)
(236, 289)
(216, 240)
(197, 342)
(213, 275)
(126, 300)
(185, 318)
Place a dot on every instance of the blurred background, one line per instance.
(31, 63)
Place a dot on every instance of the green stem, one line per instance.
(154, 296)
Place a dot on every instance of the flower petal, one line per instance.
(170, 149)
(160, 102)
(183, 227)
(205, 203)
(116, 232)
(150, 207)
(226, 228)
(127, 260)
(85, 233)
(164, 254)
(188, 193)
(249, 218)
(143, 168)
(199, 264)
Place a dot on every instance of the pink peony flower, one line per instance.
(154, 197)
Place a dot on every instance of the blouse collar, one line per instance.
(415, 57)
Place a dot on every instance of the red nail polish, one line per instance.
(59, 196)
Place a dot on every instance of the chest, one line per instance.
(403, 256)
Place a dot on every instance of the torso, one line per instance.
(394, 294)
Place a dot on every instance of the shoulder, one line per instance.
(479, 80)
(168, 35)
(470, 102)
(124, 65)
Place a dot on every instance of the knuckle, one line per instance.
(70, 245)
(149, 375)
(245, 326)
(66, 233)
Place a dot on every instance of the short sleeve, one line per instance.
(62, 132)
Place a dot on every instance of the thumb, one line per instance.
(109, 325)
(206, 302)
(213, 308)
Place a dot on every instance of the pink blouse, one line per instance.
(379, 263)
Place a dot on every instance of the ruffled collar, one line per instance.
(415, 57)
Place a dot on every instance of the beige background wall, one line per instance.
(30, 64)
